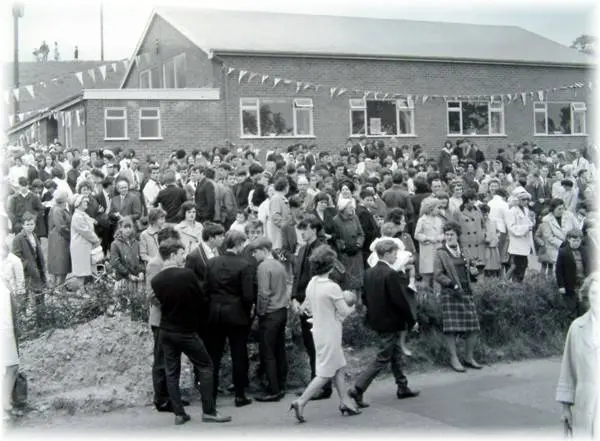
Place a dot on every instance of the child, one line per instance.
(493, 263)
(241, 219)
(27, 247)
(404, 264)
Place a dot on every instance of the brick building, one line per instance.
(198, 77)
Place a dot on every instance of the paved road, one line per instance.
(516, 397)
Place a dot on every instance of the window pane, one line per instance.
(475, 118)
(578, 122)
(149, 128)
(496, 128)
(249, 122)
(248, 102)
(149, 113)
(144, 80)
(115, 113)
(180, 70)
(276, 118)
(169, 77)
(357, 103)
(453, 122)
(358, 122)
(405, 117)
(454, 105)
(381, 117)
(540, 123)
(559, 118)
(115, 128)
(303, 117)
(156, 78)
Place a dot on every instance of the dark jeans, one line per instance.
(174, 344)
(388, 351)
(159, 376)
(237, 336)
(520, 266)
(309, 344)
(271, 346)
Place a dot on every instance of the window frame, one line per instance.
(360, 104)
(297, 104)
(153, 118)
(572, 105)
(123, 118)
(164, 69)
(146, 72)
(490, 110)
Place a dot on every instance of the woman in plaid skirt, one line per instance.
(459, 315)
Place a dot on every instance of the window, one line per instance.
(145, 79)
(555, 118)
(115, 123)
(277, 117)
(479, 118)
(150, 123)
(174, 73)
(382, 118)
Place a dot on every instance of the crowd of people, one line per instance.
(217, 238)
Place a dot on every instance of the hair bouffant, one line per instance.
(452, 226)
(322, 259)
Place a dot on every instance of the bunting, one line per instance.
(276, 81)
(79, 76)
(242, 75)
(298, 86)
(342, 91)
(30, 90)
(332, 91)
(92, 74)
(540, 95)
(425, 98)
(252, 76)
(264, 78)
(16, 94)
(103, 71)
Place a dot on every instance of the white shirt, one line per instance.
(15, 172)
(151, 191)
(499, 212)
(61, 185)
(207, 250)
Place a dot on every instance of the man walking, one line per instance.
(182, 304)
(388, 313)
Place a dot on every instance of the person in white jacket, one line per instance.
(500, 213)
(520, 237)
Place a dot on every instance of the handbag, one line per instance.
(19, 392)
(97, 255)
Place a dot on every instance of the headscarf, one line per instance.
(344, 202)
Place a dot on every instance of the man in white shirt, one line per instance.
(58, 177)
(16, 171)
(500, 212)
(152, 187)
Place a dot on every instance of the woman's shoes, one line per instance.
(472, 364)
(345, 410)
(295, 406)
(457, 367)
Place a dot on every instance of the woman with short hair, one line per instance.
(149, 237)
(83, 238)
(59, 237)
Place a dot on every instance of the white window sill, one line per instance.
(278, 137)
(160, 138)
(457, 135)
(116, 139)
(571, 135)
(384, 136)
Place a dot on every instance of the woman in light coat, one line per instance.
(280, 214)
(429, 233)
(578, 388)
(553, 232)
(59, 236)
(83, 238)
(520, 224)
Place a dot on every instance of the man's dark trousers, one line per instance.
(159, 376)
(271, 346)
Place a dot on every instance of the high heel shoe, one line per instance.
(345, 410)
(296, 408)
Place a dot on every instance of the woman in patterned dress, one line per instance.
(459, 315)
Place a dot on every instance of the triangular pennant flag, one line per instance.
(332, 91)
(425, 98)
(540, 95)
(252, 75)
(445, 97)
(409, 101)
(509, 96)
(230, 70)
(342, 91)
(263, 79)
(276, 81)
(385, 95)
(103, 71)
(242, 75)
(113, 66)
(43, 83)
(20, 115)
(306, 86)
(298, 86)
(79, 76)
(287, 81)
(375, 94)
(319, 87)
(30, 90)
(524, 97)
(92, 74)
(16, 94)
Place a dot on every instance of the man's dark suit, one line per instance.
(386, 296)
(105, 223)
(129, 205)
(230, 286)
(205, 201)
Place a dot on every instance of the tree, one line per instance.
(585, 43)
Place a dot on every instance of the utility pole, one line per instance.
(101, 32)
(17, 11)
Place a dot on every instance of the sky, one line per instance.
(73, 23)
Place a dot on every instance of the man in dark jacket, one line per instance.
(572, 267)
(397, 197)
(171, 198)
(388, 313)
(230, 282)
(204, 196)
(182, 302)
(21, 202)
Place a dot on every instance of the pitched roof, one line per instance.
(66, 84)
(266, 32)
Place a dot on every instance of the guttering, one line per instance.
(75, 99)
(282, 54)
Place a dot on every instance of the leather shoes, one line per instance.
(242, 401)
(267, 398)
(472, 364)
(181, 419)
(323, 395)
(215, 418)
(405, 392)
(357, 397)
